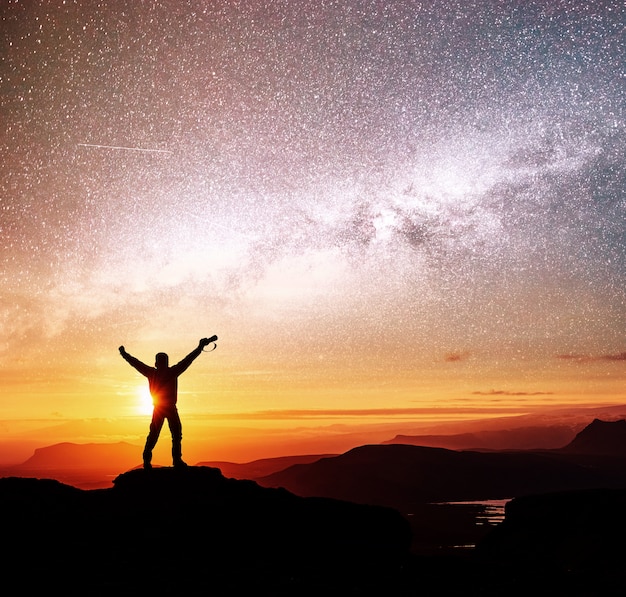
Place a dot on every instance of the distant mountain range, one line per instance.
(91, 466)
(606, 438)
(262, 467)
(404, 476)
(419, 481)
(83, 456)
(86, 466)
(534, 437)
(401, 476)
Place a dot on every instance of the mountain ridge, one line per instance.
(95, 465)
(73, 455)
(262, 466)
(400, 475)
(518, 438)
(599, 438)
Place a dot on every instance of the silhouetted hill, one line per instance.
(402, 476)
(86, 466)
(262, 467)
(600, 438)
(188, 532)
(517, 438)
(70, 456)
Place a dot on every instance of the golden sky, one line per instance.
(384, 211)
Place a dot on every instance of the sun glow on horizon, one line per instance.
(144, 402)
(427, 225)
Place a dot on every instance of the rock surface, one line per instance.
(192, 531)
(567, 543)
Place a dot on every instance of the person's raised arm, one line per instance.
(135, 362)
(192, 356)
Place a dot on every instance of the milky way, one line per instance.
(403, 185)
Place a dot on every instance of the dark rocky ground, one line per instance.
(194, 532)
(170, 532)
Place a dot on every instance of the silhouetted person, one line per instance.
(163, 381)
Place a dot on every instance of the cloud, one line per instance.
(586, 358)
(455, 357)
(331, 413)
(508, 393)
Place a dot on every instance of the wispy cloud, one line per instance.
(455, 357)
(588, 358)
(509, 393)
(358, 413)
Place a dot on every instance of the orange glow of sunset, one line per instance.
(385, 239)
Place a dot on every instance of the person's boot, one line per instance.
(177, 456)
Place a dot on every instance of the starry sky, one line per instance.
(385, 210)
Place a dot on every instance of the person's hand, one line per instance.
(122, 350)
(205, 341)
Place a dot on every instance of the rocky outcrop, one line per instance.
(192, 531)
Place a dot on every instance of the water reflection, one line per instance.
(490, 512)
(453, 526)
(486, 513)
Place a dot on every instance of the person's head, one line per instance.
(161, 361)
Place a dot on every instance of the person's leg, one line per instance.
(158, 416)
(176, 429)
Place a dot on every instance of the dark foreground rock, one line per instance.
(567, 543)
(194, 532)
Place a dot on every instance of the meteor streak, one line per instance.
(122, 148)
